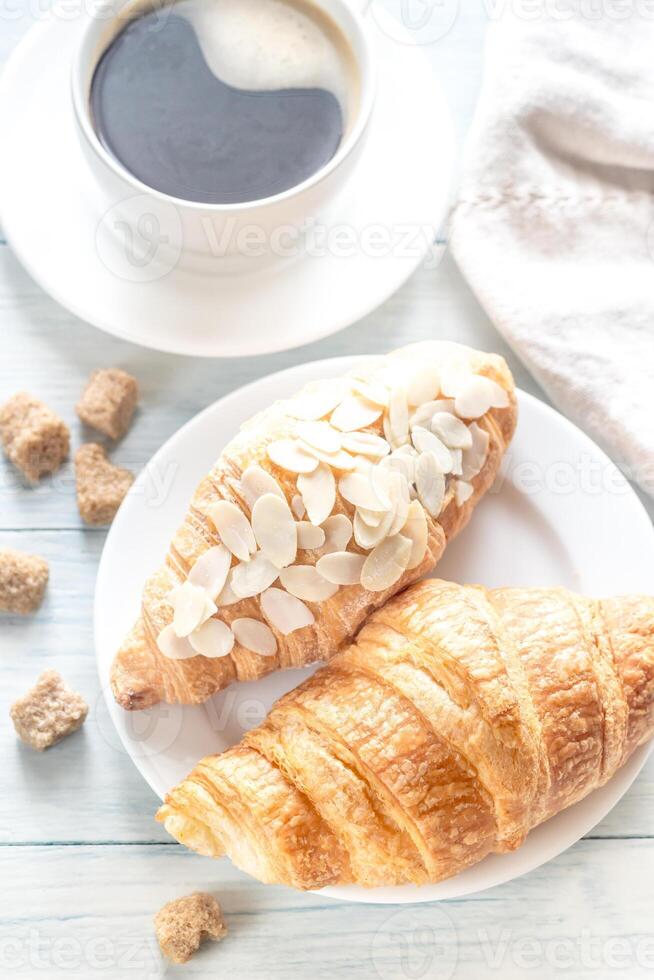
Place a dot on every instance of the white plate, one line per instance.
(51, 211)
(563, 515)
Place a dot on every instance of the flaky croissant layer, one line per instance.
(459, 719)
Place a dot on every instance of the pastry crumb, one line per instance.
(23, 579)
(182, 925)
(48, 712)
(108, 401)
(101, 486)
(34, 438)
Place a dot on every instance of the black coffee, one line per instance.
(224, 101)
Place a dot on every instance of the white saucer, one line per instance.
(51, 211)
(560, 509)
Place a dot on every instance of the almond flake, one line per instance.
(385, 371)
(337, 461)
(292, 456)
(250, 578)
(423, 386)
(255, 636)
(338, 533)
(478, 396)
(318, 402)
(318, 490)
(320, 435)
(233, 527)
(454, 379)
(213, 639)
(274, 528)
(401, 501)
(430, 483)
(373, 391)
(368, 537)
(383, 482)
(451, 430)
(174, 647)
(444, 405)
(386, 564)
(372, 518)
(211, 569)
(457, 461)
(402, 462)
(355, 413)
(305, 582)
(286, 612)
(363, 464)
(398, 417)
(309, 537)
(192, 606)
(417, 531)
(365, 444)
(297, 506)
(357, 489)
(424, 413)
(342, 567)
(228, 597)
(255, 481)
(463, 491)
(475, 457)
(499, 394)
(427, 442)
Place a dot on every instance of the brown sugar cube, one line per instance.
(34, 438)
(48, 712)
(182, 925)
(23, 579)
(101, 486)
(108, 401)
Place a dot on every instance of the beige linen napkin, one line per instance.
(554, 224)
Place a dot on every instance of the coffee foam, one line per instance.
(264, 45)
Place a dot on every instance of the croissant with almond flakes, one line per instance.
(459, 719)
(321, 509)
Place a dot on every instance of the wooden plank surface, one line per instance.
(83, 864)
(585, 915)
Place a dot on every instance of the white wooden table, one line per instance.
(83, 864)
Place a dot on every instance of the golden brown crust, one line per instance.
(141, 675)
(546, 631)
(629, 625)
(615, 710)
(301, 847)
(459, 719)
(454, 640)
(327, 773)
(411, 767)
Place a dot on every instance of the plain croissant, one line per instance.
(388, 463)
(458, 720)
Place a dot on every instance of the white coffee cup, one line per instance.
(201, 234)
